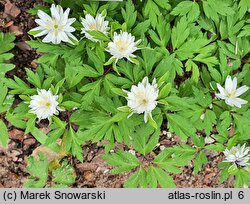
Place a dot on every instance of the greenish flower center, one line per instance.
(48, 104)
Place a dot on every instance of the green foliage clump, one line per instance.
(62, 176)
(6, 99)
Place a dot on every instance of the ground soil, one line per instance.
(94, 172)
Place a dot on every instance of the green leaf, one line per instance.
(242, 178)
(224, 175)
(209, 121)
(151, 11)
(39, 135)
(59, 123)
(74, 72)
(145, 139)
(70, 104)
(6, 42)
(195, 70)
(18, 86)
(38, 169)
(152, 122)
(216, 147)
(181, 126)
(30, 124)
(171, 159)
(5, 56)
(76, 148)
(34, 32)
(233, 169)
(98, 35)
(152, 180)
(16, 120)
(119, 92)
(189, 8)
(124, 109)
(34, 78)
(97, 60)
(163, 178)
(5, 100)
(245, 31)
(199, 161)
(171, 165)
(56, 50)
(163, 4)
(141, 28)
(64, 175)
(92, 90)
(180, 33)
(5, 68)
(129, 15)
(54, 135)
(164, 92)
(66, 142)
(122, 161)
(4, 134)
(137, 179)
(163, 79)
(47, 83)
(242, 124)
(213, 9)
(244, 6)
(149, 59)
(224, 124)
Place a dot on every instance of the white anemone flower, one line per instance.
(238, 155)
(94, 24)
(123, 46)
(143, 98)
(56, 27)
(44, 105)
(230, 93)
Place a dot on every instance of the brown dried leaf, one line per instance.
(86, 167)
(52, 156)
(16, 134)
(29, 141)
(33, 64)
(11, 9)
(23, 46)
(8, 24)
(89, 176)
(16, 30)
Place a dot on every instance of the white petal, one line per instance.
(48, 38)
(220, 96)
(241, 90)
(41, 23)
(221, 89)
(71, 36)
(239, 102)
(234, 83)
(44, 32)
(65, 16)
(69, 29)
(146, 117)
(229, 84)
(230, 101)
(43, 15)
(145, 81)
(55, 11)
(236, 102)
(64, 37)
